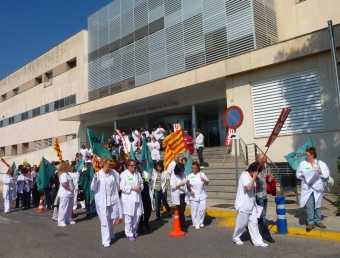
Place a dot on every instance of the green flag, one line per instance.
(96, 146)
(297, 156)
(15, 174)
(80, 164)
(132, 154)
(146, 158)
(188, 165)
(85, 182)
(46, 171)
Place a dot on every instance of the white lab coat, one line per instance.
(130, 197)
(99, 188)
(154, 146)
(8, 192)
(120, 207)
(165, 177)
(176, 180)
(316, 187)
(197, 186)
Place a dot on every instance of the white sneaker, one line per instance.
(238, 242)
(197, 227)
(72, 222)
(262, 245)
(106, 245)
(202, 225)
(202, 166)
(62, 225)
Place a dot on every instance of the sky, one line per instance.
(30, 28)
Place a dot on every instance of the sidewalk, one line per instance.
(295, 215)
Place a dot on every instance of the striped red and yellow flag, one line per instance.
(173, 144)
(57, 149)
(4, 161)
(96, 164)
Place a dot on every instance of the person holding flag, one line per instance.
(311, 172)
(105, 187)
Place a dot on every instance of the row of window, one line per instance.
(47, 78)
(39, 144)
(55, 105)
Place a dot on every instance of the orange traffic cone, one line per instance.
(117, 222)
(177, 227)
(41, 204)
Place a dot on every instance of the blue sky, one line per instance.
(29, 28)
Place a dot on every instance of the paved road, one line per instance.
(32, 234)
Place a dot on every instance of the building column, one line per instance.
(194, 121)
(115, 125)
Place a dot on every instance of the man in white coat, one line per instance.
(131, 184)
(246, 208)
(311, 172)
(105, 187)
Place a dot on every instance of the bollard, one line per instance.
(281, 215)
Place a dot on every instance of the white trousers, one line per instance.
(242, 220)
(76, 191)
(198, 209)
(65, 210)
(131, 224)
(107, 231)
(8, 203)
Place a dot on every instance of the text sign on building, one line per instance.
(233, 117)
(228, 140)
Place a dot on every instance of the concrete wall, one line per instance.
(295, 18)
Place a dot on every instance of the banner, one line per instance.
(173, 144)
(96, 145)
(279, 124)
(228, 140)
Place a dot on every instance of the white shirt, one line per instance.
(197, 186)
(75, 178)
(175, 192)
(171, 167)
(199, 141)
(154, 146)
(24, 186)
(245, 200)
(84, 152)
(159, 133)
(65, 178)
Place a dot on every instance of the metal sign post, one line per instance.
(233, 118)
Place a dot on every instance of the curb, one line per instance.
(229, 221)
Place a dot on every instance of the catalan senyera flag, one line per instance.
(96, 164)
(57, 149)
(25, 161)
(173, 144)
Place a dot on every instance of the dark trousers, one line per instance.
(90, 206)
(18, 199)
(160, 196)
(200, 155)
(25, 200)
(181, 210)
(144, 219)
(35, 195)
(262, 220)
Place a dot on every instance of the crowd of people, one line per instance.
(123, 191)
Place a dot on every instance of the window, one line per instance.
(24, 116)
(14, 150)
(73, 99)
(300, 92)
(47, 142)
(11, 120)
(1, 123)
(36, 111)
(48, 79)
(25, 147)
(61, 103)
(2, 151)
(4, 97)
(70, 137)
(16, 91)
(71, 64)
(37, 145)
(56, 105)
(47, 108)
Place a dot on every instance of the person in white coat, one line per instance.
(179, 192)
(75, 176)
(131, 184)
(116, 166)
(247, 211)
(160, 178)
(65, 194)
(105, 187)
(198, 197)
(155, 147)
(9, 189)
(311, 172)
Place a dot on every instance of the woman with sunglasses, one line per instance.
(198, 196)
(131, 184)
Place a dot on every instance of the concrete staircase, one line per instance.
(222, 177)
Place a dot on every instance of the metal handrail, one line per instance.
(244, 151)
